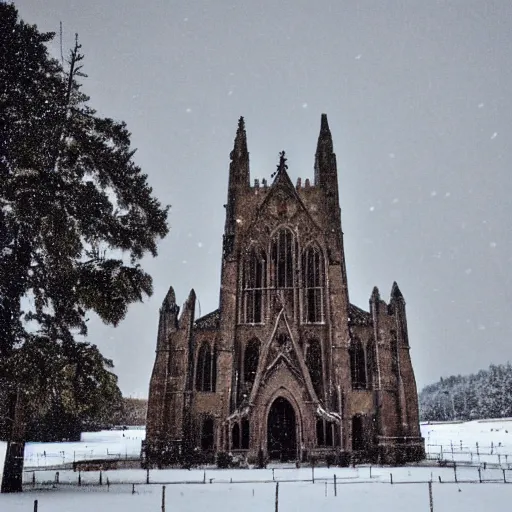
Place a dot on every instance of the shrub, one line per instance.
(223, 460)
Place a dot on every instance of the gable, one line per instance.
(281, 351)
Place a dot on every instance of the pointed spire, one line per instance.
(240, 145)
(375, 295)
(395, 292)
(170, 298)
(324, 152)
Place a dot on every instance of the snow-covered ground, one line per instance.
(360, 488)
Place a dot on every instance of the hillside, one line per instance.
(486, 394)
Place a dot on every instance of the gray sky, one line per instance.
(418, 99)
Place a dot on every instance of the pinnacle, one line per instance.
(375, 294)
(170, 298)
(395, 292)
(324, 125)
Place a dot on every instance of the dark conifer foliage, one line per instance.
(486, 394)
(76, 217)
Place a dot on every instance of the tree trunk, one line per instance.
(13, 466)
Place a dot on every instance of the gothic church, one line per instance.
(286, 368)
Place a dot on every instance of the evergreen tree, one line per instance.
(76, 217)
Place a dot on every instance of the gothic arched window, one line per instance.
(206, 368)
(394, 355)
(314, 364)
(254, 283)
(251, 360)
(357, 364)
(235, 437)
(207, 434)
(313, 280)
(282, 259)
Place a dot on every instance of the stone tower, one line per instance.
(286, 366)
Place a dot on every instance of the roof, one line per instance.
(357, 316)
(209, 321)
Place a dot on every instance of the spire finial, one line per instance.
(281, 166)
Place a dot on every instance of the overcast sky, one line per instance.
(418, 96)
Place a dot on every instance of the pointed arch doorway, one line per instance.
(282, 431)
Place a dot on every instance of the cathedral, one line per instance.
(286, 368)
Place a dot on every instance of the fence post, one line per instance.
(147, 476)
(477, 452)
(336, 490)
(455, 471)
(313, 473)
(79, 478)
(35, 505)
(277, 497)
(391, 477)
(163, 498)
(430, 497)
(273, 479)
(34, 478)
(101, 478)
(492, 447)
(370, 471)
(504, 477)
(480, 474)
(204, 477)
(57, 477)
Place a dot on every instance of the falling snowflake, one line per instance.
(448, 194)
(480, 105)
(494, 135)
(372, 208)
(391, 155)
(395, 200)
(433, 193)
(358, 56)
(184, 262)
(468, 271)
(492, 245)
(304, 105)
(188, 110)
(230, 93)
(199, 244)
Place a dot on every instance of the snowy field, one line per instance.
(482, 451)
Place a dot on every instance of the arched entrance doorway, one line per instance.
(282, 431)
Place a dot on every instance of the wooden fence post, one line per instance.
(163, 498)
(35, 505)
(504, 477)
(480, 475)
(147, 476)
(391, 477)
(335, 489)
(430, 497)
(277, 497)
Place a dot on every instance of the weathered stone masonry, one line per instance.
(286, 365)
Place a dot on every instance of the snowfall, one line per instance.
(481, 450)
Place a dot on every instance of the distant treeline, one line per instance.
(133, 412)
(487, 394)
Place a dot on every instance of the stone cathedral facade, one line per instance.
(286, 367)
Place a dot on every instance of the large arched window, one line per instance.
(206, 368)
(313, 280)
(251, 359)
(357, 364)
(314, 364)
(282, 259)
(254, 283)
